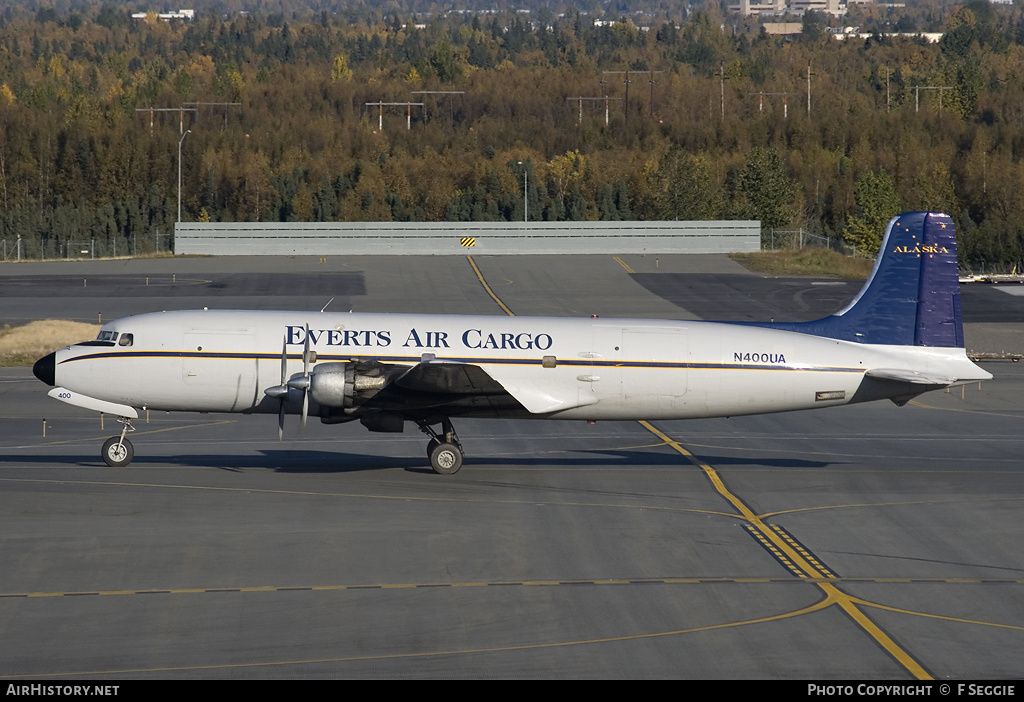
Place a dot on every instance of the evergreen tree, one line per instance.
(877, 203)
(766, 192)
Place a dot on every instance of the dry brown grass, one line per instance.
(22, 346)
(807, 261)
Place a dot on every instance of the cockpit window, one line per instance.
(126, 340)
(107, 335)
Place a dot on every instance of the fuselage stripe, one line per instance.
(412, 360)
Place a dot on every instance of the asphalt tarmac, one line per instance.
(560, 550)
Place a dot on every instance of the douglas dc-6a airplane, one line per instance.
(901, 336)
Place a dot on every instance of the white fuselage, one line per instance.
(223, 360)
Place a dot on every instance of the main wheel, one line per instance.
(446, 459)
(118, 452)
(431, 445)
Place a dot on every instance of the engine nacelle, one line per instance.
(346, 384)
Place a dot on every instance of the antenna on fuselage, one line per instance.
(328, 304)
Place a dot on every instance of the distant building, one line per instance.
(762, 7)
(168, 16)
(836, 8)
(831, 7)
(855, 33)
(783, 28)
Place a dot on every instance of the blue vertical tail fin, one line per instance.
(911, 298)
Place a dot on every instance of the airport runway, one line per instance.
(560, 550)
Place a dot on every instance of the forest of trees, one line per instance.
(717, 124)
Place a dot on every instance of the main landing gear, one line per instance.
(118, 451)
(444, 449)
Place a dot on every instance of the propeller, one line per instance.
(301, 383)
(281, 391)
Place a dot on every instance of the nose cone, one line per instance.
(44, 368)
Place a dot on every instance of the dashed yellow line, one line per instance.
(802, 563)
(615, 582)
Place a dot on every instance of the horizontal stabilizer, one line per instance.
(910, 376)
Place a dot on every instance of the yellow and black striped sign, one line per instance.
(468, 241)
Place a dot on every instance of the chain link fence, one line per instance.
(54, 248)
(795, 239)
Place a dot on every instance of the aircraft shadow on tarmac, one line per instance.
(313, 461)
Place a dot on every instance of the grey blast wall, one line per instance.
(444, 238)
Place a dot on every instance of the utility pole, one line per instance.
(887, 88)
(179, 171)
(451, 96)
(808, 89)
(785, 101)
(627, 81)
(407, 105)
(526, 207)
(580, 99)
(625, 103)
(180, 110)
(722, 85)
(651, 101)
(225, 105)
(919, 88)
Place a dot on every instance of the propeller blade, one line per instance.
(284, 360)
(284, 379)
(306, 357)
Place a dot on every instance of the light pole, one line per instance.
(526, 211)
(187, 132)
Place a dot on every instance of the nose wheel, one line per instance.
(444, 449)
(118, 451)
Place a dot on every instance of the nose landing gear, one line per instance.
(118, 451)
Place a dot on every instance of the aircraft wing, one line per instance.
(462, 379)
(455, 378)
